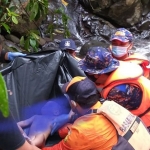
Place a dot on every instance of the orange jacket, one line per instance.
(92, 131)
(131, 73)
(141, 60)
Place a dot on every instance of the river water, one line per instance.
(142, 46)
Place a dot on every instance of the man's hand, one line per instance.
(61, 120)
(58, 122)
(12, 55)
(72, 116)
(24, 134)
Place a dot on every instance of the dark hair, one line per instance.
(87, 102)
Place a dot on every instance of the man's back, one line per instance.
(93, 132)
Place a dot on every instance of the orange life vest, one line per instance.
(141, 60)
(131, 73)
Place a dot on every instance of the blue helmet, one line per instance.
(122, 35)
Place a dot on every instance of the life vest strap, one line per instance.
(130, 132)
(92, 111)
(132, 129)
(146, 111)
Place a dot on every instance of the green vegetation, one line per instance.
(59, 13)
(9, 16)
(37, 9)
(12, 11)
(31, 40)
(4, 106)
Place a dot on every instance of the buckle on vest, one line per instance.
(132, 129)
(134, 126)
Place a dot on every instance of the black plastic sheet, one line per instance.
(33, 80)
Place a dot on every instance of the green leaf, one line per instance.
(22, 42)
(8, 11)
(14, 20)
(34, 11)
(7, 28)
(27, 45)
(35, 49)
(29, 6)
(43, 8)
(4, 2)
(4, 106)
(38, 15)
(33, 42)
(4, 17)
(35, 36)
(14, 14)
(12, 8)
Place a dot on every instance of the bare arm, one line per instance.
(27, 146)
(23, 124)
(26, 122)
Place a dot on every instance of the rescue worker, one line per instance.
(69, 46)
(6, 56)
(121, 46)
(10, 136)
(120, 81)
(89, 131)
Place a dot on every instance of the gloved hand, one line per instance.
(63, 131)
(13, 55)
(58, 122)
(61, 120)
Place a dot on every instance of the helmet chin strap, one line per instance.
(91, 77)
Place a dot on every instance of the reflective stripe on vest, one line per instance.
(141, 60)
(129, 126)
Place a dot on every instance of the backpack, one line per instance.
(132, 133)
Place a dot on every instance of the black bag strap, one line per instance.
(130, 132)
(141, 115)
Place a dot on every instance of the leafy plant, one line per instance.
(60, 14)
(30, 40)
(12, 15)
(8, 16)
(51, 30)
(4, 106)
(36, 9)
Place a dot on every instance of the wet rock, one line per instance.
(124, 13)
(42, 41)
(146, 6)
(145, 25)
(12, 38)
(145, 34)
(11, 46)
(25, 25)
(89, 44)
